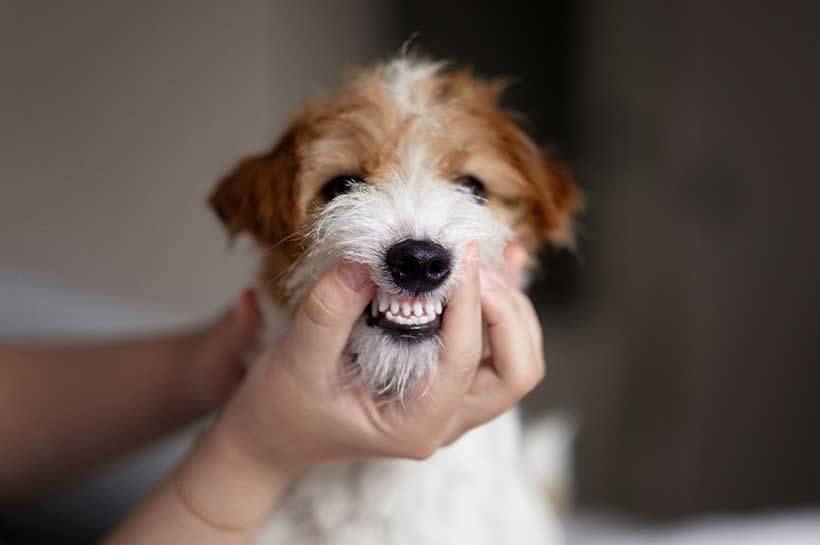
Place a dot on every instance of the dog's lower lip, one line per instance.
(409, 333)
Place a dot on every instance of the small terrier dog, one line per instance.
(399, 171)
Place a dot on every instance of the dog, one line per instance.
(409, 162)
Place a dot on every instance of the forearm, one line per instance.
(218, 495)
(69, 408)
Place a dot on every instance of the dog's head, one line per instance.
(399, 171)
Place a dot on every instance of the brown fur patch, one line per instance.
(367, 130)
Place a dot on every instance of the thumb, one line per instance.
(324, 319)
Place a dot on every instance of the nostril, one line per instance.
(436, 268)
(407, 265)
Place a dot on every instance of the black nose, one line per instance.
(418, 266)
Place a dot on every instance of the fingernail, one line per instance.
(471, 251)
(353, 275)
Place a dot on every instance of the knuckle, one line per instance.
(467, 355)
(534, 377)
(518, 386)
(522, 383)
(471, 360)
(318, 311)
(539, 374)
(526, 302)
(471, 355)
(423, 451)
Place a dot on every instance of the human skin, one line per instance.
(67, 408)
(293, 410)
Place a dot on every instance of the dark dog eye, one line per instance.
(474, 186)
(339, 186)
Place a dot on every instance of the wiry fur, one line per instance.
(361, 226)
(409, 129)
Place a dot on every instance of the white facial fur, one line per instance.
(361, 226)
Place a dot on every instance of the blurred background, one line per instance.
(682, 338)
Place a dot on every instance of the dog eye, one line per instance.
(473, 186)
(339, 186)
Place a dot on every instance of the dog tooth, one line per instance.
(430, 308)
(439, 307)
(389, 315)
(384, 304)
(418, 310)
(405, 308)
(374, 310)
(394, 306)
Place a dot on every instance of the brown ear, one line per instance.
(556, 200)
(259, 196)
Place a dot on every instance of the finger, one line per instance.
(485, 400)
(532, 321)
(516, 257)
(246, 318)
(323, 321)
(491, 280)
(516, 367)
(236, 330)
(461, 333)
(509, 330)
(512, 371)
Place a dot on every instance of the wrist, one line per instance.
(224, 488)
(252, 444)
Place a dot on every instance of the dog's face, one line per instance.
(399, 171)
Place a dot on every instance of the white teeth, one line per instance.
(418, 312)
(400, 320)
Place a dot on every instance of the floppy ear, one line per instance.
(557, 199)
(259, 196)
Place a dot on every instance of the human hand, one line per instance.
(513, 358)
(217, 353)
(294, 409)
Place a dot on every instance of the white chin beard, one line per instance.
(390, 368)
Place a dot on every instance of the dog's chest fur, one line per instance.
(475, 492)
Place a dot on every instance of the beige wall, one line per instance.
(117, 118)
